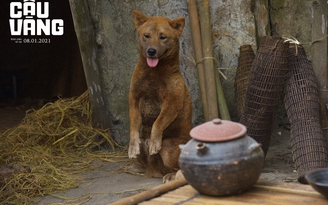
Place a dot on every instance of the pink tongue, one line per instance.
(152, 62)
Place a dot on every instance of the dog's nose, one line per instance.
(151, 51)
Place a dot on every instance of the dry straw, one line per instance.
(56, 142)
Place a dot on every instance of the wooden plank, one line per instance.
(295, 186)
(264, 192)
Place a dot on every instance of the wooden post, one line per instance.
(262, 22)
(320, 55)
(88, 49)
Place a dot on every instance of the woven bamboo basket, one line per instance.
(245, 61)
(301, 99)
(265, 87)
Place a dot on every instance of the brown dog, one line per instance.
(160, 105)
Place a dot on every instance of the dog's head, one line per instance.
(158, 37)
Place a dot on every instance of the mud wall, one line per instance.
(234, 23)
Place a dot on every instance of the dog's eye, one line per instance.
(147, 36)
(162, 37)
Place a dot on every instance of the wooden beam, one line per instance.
(88, 49)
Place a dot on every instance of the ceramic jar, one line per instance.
(221, 159)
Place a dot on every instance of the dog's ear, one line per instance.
(178, 24)
(138, 18)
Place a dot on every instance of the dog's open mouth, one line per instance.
(152, 62)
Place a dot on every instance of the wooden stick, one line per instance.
(152, 193)
(197, 42)
(206, 34)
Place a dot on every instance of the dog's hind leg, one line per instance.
(170, 156)
(156, 167)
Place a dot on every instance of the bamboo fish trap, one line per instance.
(245, 61)
(308, 143)
(266, 83)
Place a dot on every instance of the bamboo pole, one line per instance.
(319, 56)
(222, 104)
(206, 35)
(213, 85)
(197, 43)
(152, 193)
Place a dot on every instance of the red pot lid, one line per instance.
(218, 130)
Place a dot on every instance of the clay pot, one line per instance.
(221, 159)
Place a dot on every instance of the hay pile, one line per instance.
(54, 143)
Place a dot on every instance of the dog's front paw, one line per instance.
(155, 146)
(134, 148)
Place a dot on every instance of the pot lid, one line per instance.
(218, 130)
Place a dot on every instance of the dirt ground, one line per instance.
(102, 186)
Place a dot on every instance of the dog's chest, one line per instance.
(150, 87)
(151, 95)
